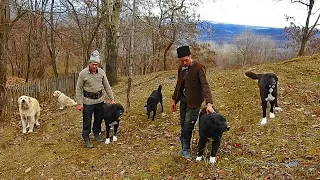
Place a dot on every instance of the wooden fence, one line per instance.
(41, 89)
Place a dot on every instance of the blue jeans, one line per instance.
(88, 110)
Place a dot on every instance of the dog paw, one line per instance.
(212, 160)
(30, 131)
(272, 115)
(199, 158)
(114, 138)
(60, 107)
(278, 109)
(107, 141)
(263, 121)
(24, 131)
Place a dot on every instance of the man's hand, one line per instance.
(210, 108)
(113, 102)
(80, 107)
(173, 106)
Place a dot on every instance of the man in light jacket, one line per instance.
(91, 87)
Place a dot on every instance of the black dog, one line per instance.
(211, 126)
(111, 116)
(152, 102)
(268, 93)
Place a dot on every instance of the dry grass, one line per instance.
(149, 149)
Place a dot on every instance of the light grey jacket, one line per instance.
(92, 83)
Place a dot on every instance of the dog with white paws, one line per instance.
(111, 115)
(267, 84)
(211, 128)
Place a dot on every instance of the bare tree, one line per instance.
(251, 48)
(294, 35)
(111, 38)
(4, 30)
(88, 24)
(52, 45)
(160, 26)
(131, 53)
(308, 27)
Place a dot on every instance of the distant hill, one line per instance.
(225, 33)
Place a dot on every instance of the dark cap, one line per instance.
(183, 51)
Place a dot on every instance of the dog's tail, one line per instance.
(252, 75)
(159, 88)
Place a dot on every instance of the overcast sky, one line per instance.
(253, 12)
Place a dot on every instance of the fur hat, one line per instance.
(94, 57)
(183, 51)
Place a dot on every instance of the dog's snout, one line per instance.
(23, 101)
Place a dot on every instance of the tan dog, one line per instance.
(29, 109)
(63, 100)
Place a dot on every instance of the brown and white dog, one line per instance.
(29, 109)
(63, 100)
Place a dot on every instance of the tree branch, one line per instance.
(292, 1)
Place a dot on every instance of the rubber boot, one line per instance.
(98, 138)
(186, 148)
(88, 143)
(181, 141)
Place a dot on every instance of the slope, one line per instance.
(286, 148)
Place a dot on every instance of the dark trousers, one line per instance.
(88, 110)
(188, 118)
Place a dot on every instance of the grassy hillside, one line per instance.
(288, 147)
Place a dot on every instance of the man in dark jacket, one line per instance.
(191, 90)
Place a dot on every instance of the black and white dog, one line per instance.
(111, 116)
(211, 127)
(152, 102)
(268, 93)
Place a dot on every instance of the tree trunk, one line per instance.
(302, 46)
(66, 70)
(52, 46)
(4, 29)
(131, 55)
(29, 50)
(165, 55)
(111, 41)
(85, 56)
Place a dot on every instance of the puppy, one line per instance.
(63, 100)
(211, 126)
(152, 102)
(268, 93)
(111, 116)
(29, 110)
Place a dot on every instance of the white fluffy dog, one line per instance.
(29, 109)
(63, 100)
